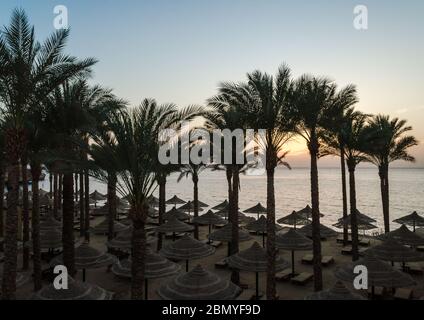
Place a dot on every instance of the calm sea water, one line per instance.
(292, 191)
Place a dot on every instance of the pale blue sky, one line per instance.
(179, 50)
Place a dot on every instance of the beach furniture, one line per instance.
(327, 260)
(413, 220)
(376, 291)
(302, 278)
(210, 219)
(414, 268)
(259, 227)
(308, 258)
(420, 248)
(403, 294)
(221, 264)
(284, 275)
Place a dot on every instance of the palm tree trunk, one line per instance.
(2, 184)
(353, 217)
(316, 237)
(344, 195)
(11, 231)
(138, 252)
(87, 205)
(229, 175)
(56, 195)
(68, 223)
(50, 184)
(162, 208)
(234, 220)
(35, 223)
(25, 214)
(383, 172)
(270, 229)
(81, 203)
(195, 179)
(111, 200)
(60, 192)
(76, 187)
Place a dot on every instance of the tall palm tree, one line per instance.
(312, 109)
(388, 142)
(29, 71)
(269, 112)
(68, 114)
(227, 114)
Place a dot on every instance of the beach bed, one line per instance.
(403, 294)
(325, 260)
(378, 291)
(302, 278)
(283, 275)
(364, 242)
(414, 268)
(348, 250)
(221, 264)
(420, 248)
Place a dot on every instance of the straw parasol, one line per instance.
(294, 241)
(103, 227)
(153, 201)
(175, 200)
(222, 205)
(174, 225)
(413, 220)
(260, 225)
(257, 209)
(174, 212)
(379, 273)
(189, 206)
(307, 212)
(325, 232)
(337, 292)
(199, 284)
(187, 248)
(391, 250)
(255, 259)
(210, 219)
(404, 236)
(361, 224)
(50, 223)
(123, 241)
(50, 239)
(294, 219)
(155, 266)
(225, 234)
(77, 290)
(97, 196)
(87, 257)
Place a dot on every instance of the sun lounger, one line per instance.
(283, 275)
(414, 268)
(340, 240)
(403, 294)
(348, 251)
(327, 260)
(365, 242)
(420, 248)
(221, 264)
(308, 259)
(302, 278)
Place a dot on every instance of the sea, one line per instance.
(292, 191)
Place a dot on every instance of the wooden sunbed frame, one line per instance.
(302, 278)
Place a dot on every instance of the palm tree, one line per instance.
(312, 109)
(29, 72)
(388, 142)
(270, 113)
(68, 115)
(336, 137)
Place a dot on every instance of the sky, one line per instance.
(180, 50)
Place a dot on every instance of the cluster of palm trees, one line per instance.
(52, 119)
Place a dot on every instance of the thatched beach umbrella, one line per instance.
(175, 200)
(337, 292)
(50, 223)
(174, 225)
(210, 219)
(97, 196)
(123, 241)
(362, 224)
(257, 209)
(156, 266)
(393, 251)
(77, 290)
(325, 232)
(199, 284)
(294, 241)
(294, 219)
(174, 212)
(307, 212)
(50, 239)
(404, 236)
(153, 201)
(87, 257)
(187, 248)
(255, 259)
(222, 205)
(260, 226)
(189, 207)
(225, 234)
(103, 227)
(413, 220)
(379, 273)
